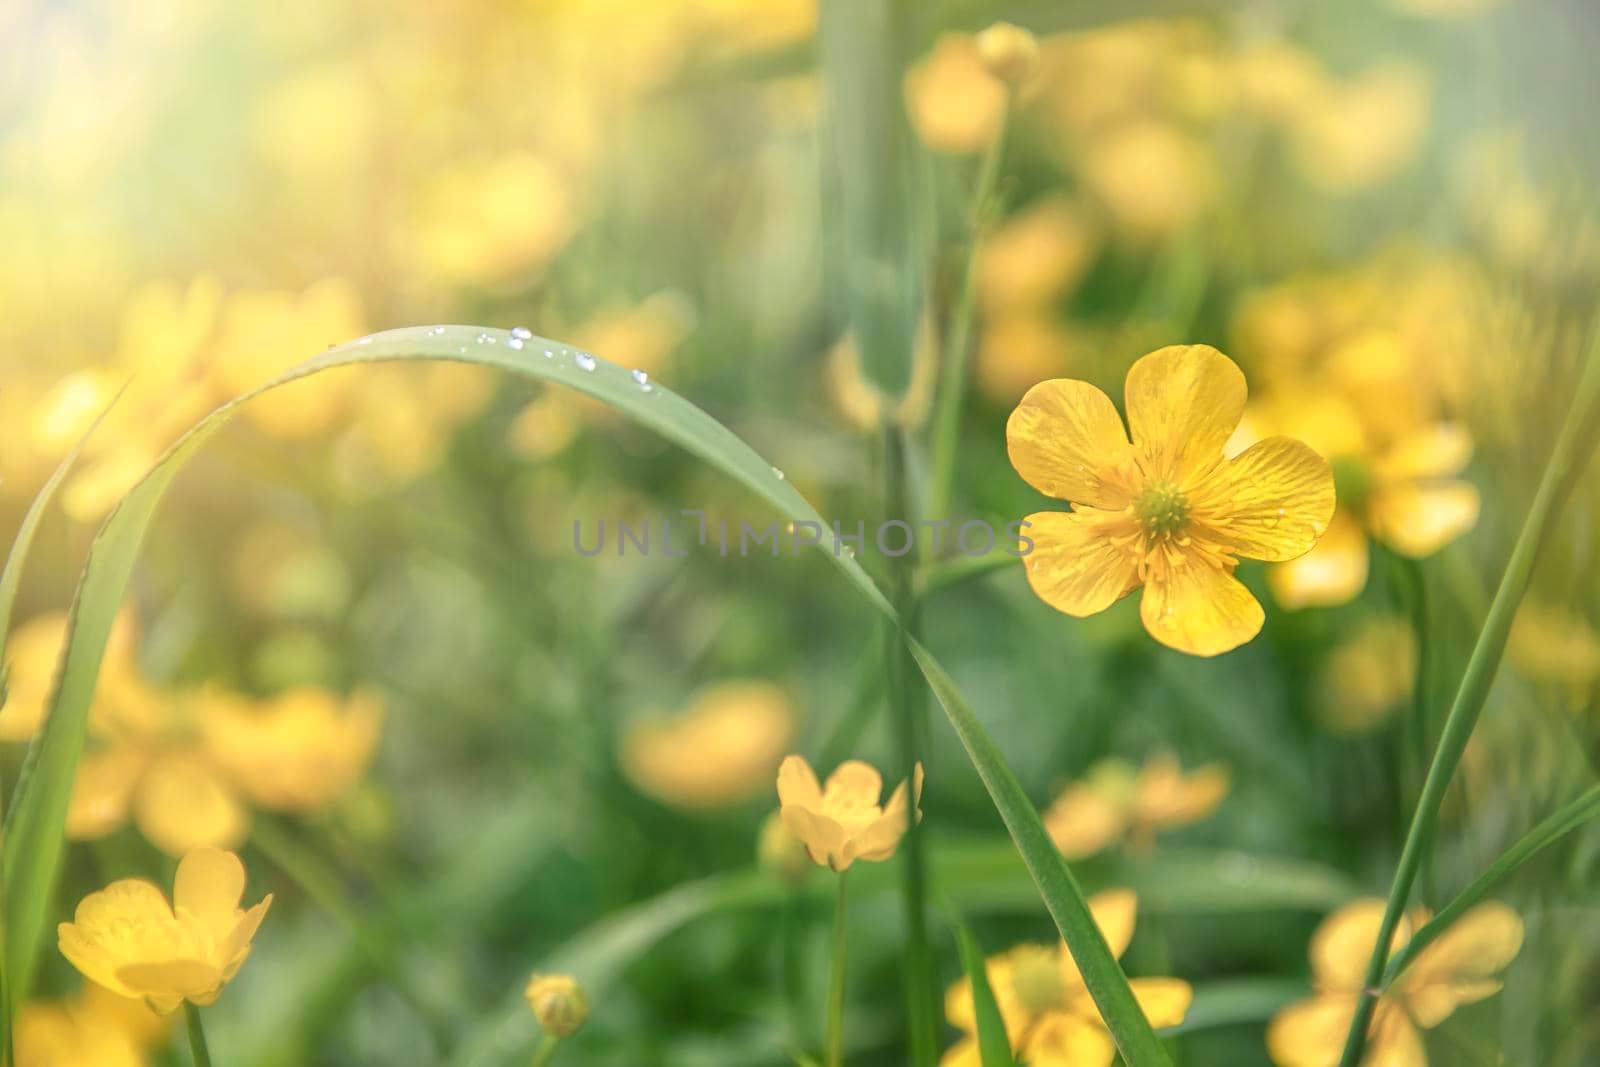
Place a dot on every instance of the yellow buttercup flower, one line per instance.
(298, 751)
(1115, 801)
(1556, 644)
(1368, 676)
(1168, 511)
(122, 701)
(1049, 1016)
(953, 100)
(127, 937)
(558, 1002)
(1458, 968)
(720, 751)
(843, 822)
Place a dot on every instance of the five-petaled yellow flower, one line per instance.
(1049, 1017)
(127, 938)
(1168, 511)
(1456, 969)
(1115, 800)
(843, 822)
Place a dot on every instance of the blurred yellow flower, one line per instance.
(558, 1002)
(1019, 347)
(56, 1034)
(264, 333)
(1278, 80)
(182, 802)
(127, 937)
(779, 851)
(1049, 1016)
(1037, 256)
(1368, 676)
(1115, 801)
(492, 221)
(843, 822)
(123, 701)
(1009, 52)
(1357, 134)
(298, 751)
(1153, 177)
(954, 102)
(1458, 968)
(720, 750)
(863, 404)
(1169, 512)
(1555, 644)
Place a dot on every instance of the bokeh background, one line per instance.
(362, 649)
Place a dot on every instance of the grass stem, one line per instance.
(546, 1051)
(198, 1050)
(841, 943)
(1571, 452)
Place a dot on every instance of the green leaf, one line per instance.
(1235, 1001)
(994, 1045)
(1565, 820)
(10, 582)
(35, 838)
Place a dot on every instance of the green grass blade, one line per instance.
(10, 582)
(35, 841)
(1065, 901)
(1571, 453)
(994, 1045)
(1565, 820)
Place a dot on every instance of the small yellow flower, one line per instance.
(1169, 512)
(954, 102)
(127, 938)
(843, 822)
(1555, 644)
(1114, 801)
(719, 751)
(1458, 968)
(122, 700)
(1049, 1016)
(558, 1003)
(298, 751)
(1368, 676)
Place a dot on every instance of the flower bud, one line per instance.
(558, 1003)
(1010, 53)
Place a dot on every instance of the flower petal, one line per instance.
(1456, 969)
(1197, 607)
(1270, 502)
(822, 837)
(1164, 1001)
(1418, 520)
(1333, 572)
(797, 784)
(1436, 451)
(163, 980)
(1066, 1039)
(853, 785)
(183, 803)
(209, 885)
(1084, 820)
(1082, 561)
(1066, 440)
(1311, 1032)
(1184, 402)
(1115, 912)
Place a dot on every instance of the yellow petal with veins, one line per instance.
(1082, 561)
(1270, 502)
(1184, 402)
(1066, 440)
(1418, 520)
(1194, 606)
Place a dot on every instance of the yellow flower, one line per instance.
(122, 701)
(843, 822)
(558, 1003)
(1368, 676)
(1553, 643)
(298, 751)
(1169, 512)
(1036, 256)
(1356, 134)
(127, 938)
(1049, 1017)
(490, 221)
(954, 102)
(1114, 801)
(52, 1034)
(721, 750)
(1458, 968)
(1152, 176)
(1009, 52)
(1019, 347)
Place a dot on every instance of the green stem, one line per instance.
(1420, 726)
(1571, 452)
(546, 1051)
(958, 342)
(911, 730)
(835, 1030)
(197, 1036)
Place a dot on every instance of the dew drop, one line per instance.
(437, 331)
(521, 333)
(364, 340)
(778, 474)
(514, 342)
(644, 381)
(549, 354)
(584, 361)
(484, 338)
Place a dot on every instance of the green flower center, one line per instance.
(1162, 509)
(1036, 977)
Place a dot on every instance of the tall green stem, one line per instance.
(958, 342)
(546, 1050)
(198, 1050)
(1571, 452)
(841, 944)
(909, 712)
